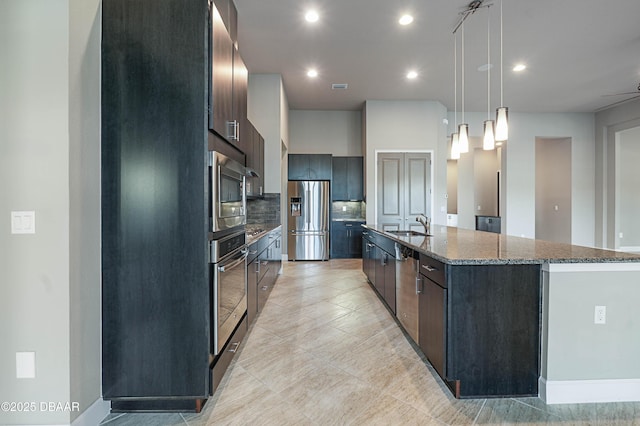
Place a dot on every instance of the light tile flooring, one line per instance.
(325, 351)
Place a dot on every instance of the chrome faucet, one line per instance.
(425, 221)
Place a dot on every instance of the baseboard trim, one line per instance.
(94, 414)
(588, 391)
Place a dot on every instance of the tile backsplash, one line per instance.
(264, 210)
(348, 210)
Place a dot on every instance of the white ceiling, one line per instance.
(576, 51)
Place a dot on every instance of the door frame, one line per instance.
(431, 153)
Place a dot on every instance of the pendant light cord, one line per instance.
(462, 72)
(501, 64)
(455, 81)
(488, 64)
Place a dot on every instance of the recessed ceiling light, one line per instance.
(412, 74)
(311, 16)
(520, 67)
(405, 20)
(312, 73)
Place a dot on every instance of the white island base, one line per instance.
(581, 361)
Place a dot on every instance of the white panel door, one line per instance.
(404, 189)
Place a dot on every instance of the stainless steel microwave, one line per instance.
(228, 198)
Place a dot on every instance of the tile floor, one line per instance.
(325, 351)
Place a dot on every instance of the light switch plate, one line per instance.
(23, 222)
(25, 365)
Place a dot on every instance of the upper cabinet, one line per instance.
(255, 160)
(347, 179)
(229, 15)
(309, 166)
(229, 79)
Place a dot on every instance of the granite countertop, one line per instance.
(348, 219)
(463, 246)
(255, 231)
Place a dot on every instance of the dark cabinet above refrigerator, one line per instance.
(309, 166)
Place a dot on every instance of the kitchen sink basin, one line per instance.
(409, 233)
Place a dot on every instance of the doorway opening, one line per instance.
(553, 189)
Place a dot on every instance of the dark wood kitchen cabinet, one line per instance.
(346, 239)
(229, 83)
(255, 161)
(432, 308)
(309, 167)
(347, 177)
(379, 264)
(157, 74)
(263, 265)
(478, 324)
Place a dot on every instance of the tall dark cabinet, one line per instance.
(347, 179)
(156, 82)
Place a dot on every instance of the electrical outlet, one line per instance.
(600, 315)
(25, 365)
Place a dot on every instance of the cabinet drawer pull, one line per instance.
(429, 268)
(234, 347)
(348, 225)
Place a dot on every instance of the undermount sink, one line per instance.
(409, 233)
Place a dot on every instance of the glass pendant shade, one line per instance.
(502, 124)
(488, 141)
(455, 147)
(463, 137)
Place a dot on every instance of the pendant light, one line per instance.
(463, 129)
(488, 142)
(455, 143)
(502, 113)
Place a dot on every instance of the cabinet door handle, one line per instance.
(429, 268)
(265, 288)
(234, 347)
(419, 286)
(235, 127)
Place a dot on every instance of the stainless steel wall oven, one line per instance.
(229, 282)
(228, 201)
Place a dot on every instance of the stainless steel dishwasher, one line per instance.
(407, 289)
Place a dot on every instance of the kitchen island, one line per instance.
(515, 316)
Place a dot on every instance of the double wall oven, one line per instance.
(228, 248)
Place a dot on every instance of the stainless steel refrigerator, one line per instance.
(308, 220)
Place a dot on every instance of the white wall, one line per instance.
(49, 163)
(268, 110)
(590, 362)
(85, 364)
(518, 169)
(34, 175)
(627, 184)
(326, 132)
(407, 126)
(607, 123)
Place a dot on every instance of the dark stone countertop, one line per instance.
(467, 247)
(263, 228)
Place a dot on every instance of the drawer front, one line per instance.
(434, 269)
(227, 354)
